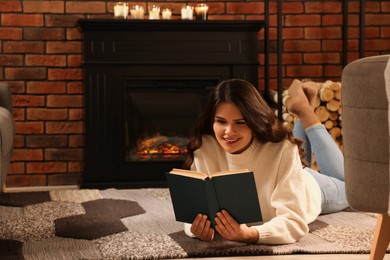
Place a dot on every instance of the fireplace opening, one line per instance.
(160, 115)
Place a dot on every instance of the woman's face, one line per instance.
(230, 128)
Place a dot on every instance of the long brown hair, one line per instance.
(256, 112)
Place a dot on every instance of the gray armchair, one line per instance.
(7, 132)
(366, 119)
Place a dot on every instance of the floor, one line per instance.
(298, 257)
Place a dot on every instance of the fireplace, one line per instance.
(146, 81)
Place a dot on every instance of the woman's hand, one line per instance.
(231, 230)
(201, 228)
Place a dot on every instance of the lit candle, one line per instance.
(137, 12)
(121, 9)
(201, 11)
(166, 14)
(154, 13)
(187, 12)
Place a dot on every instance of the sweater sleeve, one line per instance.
(296, 200)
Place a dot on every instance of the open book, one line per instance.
(194, 192)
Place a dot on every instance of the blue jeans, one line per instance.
(330, 162)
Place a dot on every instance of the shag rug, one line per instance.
(140, 224)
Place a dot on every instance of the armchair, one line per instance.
(366, 119)
(7, 132)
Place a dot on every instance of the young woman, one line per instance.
(239, 130)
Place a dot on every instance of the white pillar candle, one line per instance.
(187, 12)
(137, 12)
(166, 14)
(121, 10)
(154, 13)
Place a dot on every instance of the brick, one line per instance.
(11, 60)
(46, 87)
(27, 155)
(29, 127)
(27, 20)
(23, 47)
(303, 20)
(304, 71)
(73, 34)
(45, 167)
(333, 71)
(10, 33)
(10, 6)
(302, 46)
(19, 141)
(322, 58)
(385, 6)
(75, 60)
(332, 19)
(64, 127)
(76, 114)
(44, 34)
(25, 73)
(292, 33)
(17, 86)
(377, 19)
(64, 47)
(47, 114)
(65, 74)
(64, 154)
(332, 45)
(385, 32)
(377, 44)
(28, 100)
(76, 141)
(46, 60)
(64, 179)
(244, 7)
(292, 7)
(292, 58)
(75, 87)
(323, 33)
(85, 7)
(18, 114)
(25, 180)
(76, 167)
(44, 141)
(323, 7)
(64, 101)
(43, 6)
(16, 168)
(61, 20)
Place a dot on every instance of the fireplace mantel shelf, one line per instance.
(169, 25)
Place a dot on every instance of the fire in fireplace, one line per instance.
(159, 116)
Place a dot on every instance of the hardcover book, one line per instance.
(195, 192)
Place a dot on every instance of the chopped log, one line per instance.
(326, 94)
(322, 113)
(333, 105)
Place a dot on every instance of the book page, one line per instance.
(229, 172)
(188, 173)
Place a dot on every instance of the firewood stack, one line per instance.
(328, 108)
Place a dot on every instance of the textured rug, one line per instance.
(140, 224)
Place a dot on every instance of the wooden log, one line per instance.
(329, 124)
(333, 105)
(333, 116)
(335, 132)
(326, 94)
(337, 94)
(322, 113)
(286, 100)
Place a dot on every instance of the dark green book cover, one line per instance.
(235, 193)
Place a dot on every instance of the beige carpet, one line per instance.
(140, 224)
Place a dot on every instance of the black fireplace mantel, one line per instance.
(119, 51)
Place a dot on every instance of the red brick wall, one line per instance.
(41, 59)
